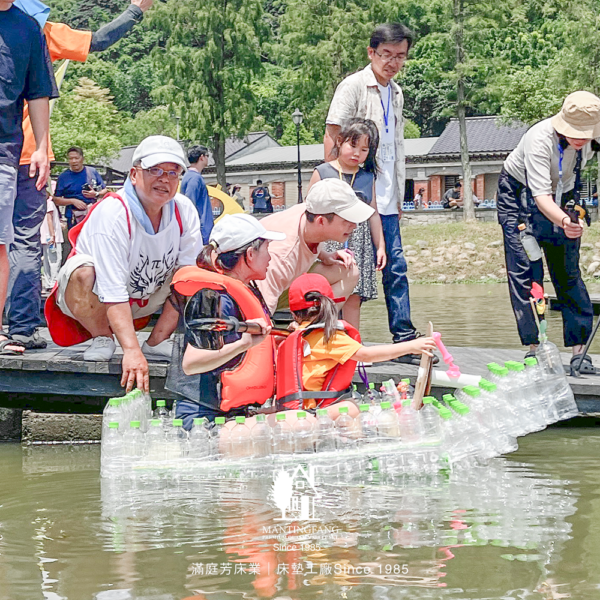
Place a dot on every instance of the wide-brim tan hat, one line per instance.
(579, 116)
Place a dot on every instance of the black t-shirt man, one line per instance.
(25, 74)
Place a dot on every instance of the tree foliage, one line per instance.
(85, 116)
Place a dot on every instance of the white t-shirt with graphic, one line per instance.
(387, 197)
(137, 265)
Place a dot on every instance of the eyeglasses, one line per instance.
(158, 172)
(389, 58)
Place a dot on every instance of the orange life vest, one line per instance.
(252, 380)
(290, 388)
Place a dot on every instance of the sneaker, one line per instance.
(31, 342)
(102, 349)
(160, 351)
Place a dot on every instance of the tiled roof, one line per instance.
(484, 135)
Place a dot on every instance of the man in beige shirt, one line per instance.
(331, 212)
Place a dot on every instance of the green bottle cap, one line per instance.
(492, 365)
(488, 386)
(113, 425)
(531, 361)
(371, 386)
(177, 422)
(364, 407)
(343, 410)
(428, 400)
(301, 414)
(260, 418)
(472, 391)
(161, 403)
(280, 416)
(134, 424)
(354, 387)
(406, 402)
(220, 420)
(448, 398)
(322, 412)
(199, 420)
(445, 414)
(155, 423)
(241, 420)
(114, 401)
(385, 405)
(405, 380)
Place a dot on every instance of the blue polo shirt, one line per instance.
(70, 184)
(25, 74)
(193, 186)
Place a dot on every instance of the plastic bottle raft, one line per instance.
(475, 424)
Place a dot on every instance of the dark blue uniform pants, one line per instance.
(562, 257)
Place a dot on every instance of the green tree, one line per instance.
(156, 121)
(90, 121)
(289, 137)
(212, 55)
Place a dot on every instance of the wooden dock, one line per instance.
(59, 379)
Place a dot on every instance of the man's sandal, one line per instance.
(17, 347)
(586, 367)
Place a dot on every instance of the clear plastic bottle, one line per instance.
(110, 413)
(356, 396)
(544, 390)
(219, 439)
(134, 441)
(550, 362)
(261, 437)
(172, 444)
(241, 440)
(511, 398)
(367, 425)
(530, 244)
(530, 407)
(155, 441)
(162, 412)
(199, 439)
(111, 450)
(325, 434)
(409, 424)
(387, 423)
(430, 426)
(345, 430)
(283, 440)
(303, 434)
(372, 396)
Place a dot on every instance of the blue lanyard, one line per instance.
(386, 114)
(561, 154)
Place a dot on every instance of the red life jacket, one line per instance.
(252, 381)
(66, 331)
(290, 357)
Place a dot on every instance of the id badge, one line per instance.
(387, 153)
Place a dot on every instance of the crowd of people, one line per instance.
(152, 246)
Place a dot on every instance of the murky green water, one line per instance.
(523, 527)
(466, 315)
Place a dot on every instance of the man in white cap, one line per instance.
(331, 212)
(539, 195)
(123, 260)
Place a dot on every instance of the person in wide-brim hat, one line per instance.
(540, 209)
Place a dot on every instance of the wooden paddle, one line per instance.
(423, 383)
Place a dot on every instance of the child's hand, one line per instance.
(422, 345)
(381, 259)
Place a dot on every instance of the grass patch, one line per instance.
(474, 253)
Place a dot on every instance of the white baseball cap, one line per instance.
(235, 231)
(158, 149)
(336, 196)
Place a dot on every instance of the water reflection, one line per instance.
(367, 532)
(503, 531)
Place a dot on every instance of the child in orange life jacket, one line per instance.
(238, 248)
(311, 302)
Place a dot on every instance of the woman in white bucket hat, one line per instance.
(539, 193)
